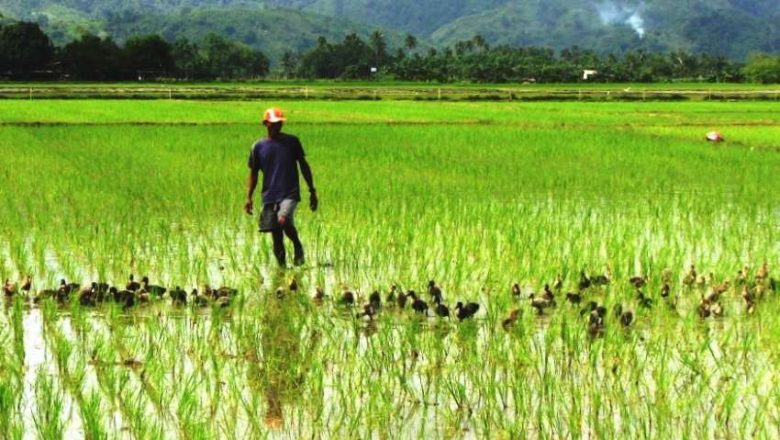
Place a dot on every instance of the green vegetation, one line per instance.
(476, 196)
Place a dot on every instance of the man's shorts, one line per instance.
(272, 212)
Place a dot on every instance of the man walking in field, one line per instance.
(278, 157)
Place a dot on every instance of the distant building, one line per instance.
(587, 74)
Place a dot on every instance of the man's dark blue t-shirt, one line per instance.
(278, 160)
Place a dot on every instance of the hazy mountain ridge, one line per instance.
(730, 27)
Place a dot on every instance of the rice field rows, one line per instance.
(479, 197)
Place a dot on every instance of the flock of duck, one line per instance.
(751, 288)
(133, 293)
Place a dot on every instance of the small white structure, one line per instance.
(587, 74)
(715, 136)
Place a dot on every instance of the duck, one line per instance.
(592, 305)
(319, 294)
(293, 285)
(418, 305)
(644, 301)
(402, 299)
(584, 281)
(435, 292)
(638, 281)
(548, 294)
(596, 325)
(132, 285)
(223, 301)
(465, 311)
(511, 319)
(152, 289)
(516, 292)
(347, 298)
(763, 272)
(26, 285)
(375, 299)
(390, 298)
(88, 295)
(226, 291)
(603, 279)
(9, 288)
(574, 298)
(558, 283)
(539, 304)
(626, 318)
(200, 299)
(368, 311)
(179, 296)
(665, 290)
(690, 277)
(442, 311)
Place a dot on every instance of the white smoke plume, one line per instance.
(612, 12)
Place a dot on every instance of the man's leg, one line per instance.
(292, 233)
(286, 220)
(279, 252)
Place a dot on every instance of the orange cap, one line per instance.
(274, 115)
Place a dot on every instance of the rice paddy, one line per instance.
(529, 210)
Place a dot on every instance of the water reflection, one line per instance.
(286, 347)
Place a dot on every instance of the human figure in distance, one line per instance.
(278, 157)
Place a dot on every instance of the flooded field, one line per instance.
(530, 211)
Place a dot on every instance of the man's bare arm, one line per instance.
(309, 178)
(251, 185)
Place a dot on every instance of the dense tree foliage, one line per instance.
(26, 52)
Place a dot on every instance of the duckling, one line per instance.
(143, 297)
(200, 299)
(690, 277)
(227, 291)
(9, 288)
(347, 298)
(516, 292)
(741, 277)
(152, 289)
(558, 283)
(132, 285)
(280, 293)
(319, 294)
(617, 311)
(596, 329)
(418, 305)
(435, 292)
(223, 301)
(402, 299)
(604, 279)
(27, 285)
(701, 281)
(704, 309)
(87, 295)
(574, 298)
(716, 309)
(510, 320)
(390, 298)
(179, 296)
(665, 290)
(763, 272)
(626, 318)
(293, 285)
(584, 282)
(466, 311)
(548, 294)
(644, 301)
(368, 311)
(442, 311)
(592, 305)
(638, 281)
(375, 299)
(749, 298)
(538, 303)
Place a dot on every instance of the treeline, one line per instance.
(27, 53)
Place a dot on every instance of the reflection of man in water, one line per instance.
(283, 366)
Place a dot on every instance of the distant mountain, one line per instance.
(726, 27)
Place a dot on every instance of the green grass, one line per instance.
(474, 195)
